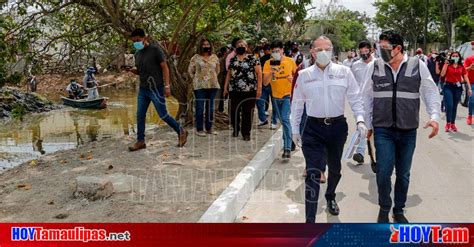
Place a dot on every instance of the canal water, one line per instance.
(68, 128)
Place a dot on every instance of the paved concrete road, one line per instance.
(441, 184)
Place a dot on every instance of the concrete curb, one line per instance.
(231, 201)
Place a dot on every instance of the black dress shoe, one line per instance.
(235, 134)
(332, 207)
(383, 217)
(399, 218)
(286, 154)
(246, 138)
(359, 158)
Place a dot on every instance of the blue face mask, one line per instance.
(138, 45)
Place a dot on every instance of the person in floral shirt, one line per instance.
(203, 69)
(243, 84)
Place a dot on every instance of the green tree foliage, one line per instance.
(102, 26)
(344, 27)
(408, 17)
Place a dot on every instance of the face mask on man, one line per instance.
(323, 57)
(241, 50)
(295, 50)
(386, 54)
(365, 56)
(138, 45)
(276, 56)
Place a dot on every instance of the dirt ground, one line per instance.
(54, 83)
(163, 183)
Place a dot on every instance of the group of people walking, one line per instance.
(308, 98)
(450, 72)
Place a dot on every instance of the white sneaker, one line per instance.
(267, 113)
(273, 126)
(260, 123)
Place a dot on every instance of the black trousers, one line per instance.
(242, 105)
(322, 143)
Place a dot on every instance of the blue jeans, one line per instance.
(283, 112)
(394, 149)
(451, 97)
(204, 97)
(266, 94)
(471, 102)
(145, 96)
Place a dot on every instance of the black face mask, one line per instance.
(365, 56)
(241, 50)
(386, 55)
(206, 49)
(294, 50)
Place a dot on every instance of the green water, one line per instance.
(68, 128)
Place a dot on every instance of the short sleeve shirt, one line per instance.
(281, 85)
(454, 75)
(204, 71)
(243, 75)
(469, 60)
(147, 61)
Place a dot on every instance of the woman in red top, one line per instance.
(454, 73)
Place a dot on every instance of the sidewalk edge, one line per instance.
(231, 201)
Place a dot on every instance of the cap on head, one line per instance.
(91, 70)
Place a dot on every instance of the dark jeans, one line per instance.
(204, 97)
(322, 143)
(145, 96)
(451, 97)
(242, 105)
(471, 102)
(394, 149)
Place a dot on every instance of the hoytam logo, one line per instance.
(435, 234)
(74, 234)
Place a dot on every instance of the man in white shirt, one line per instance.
(421, 56)
(349, 60)
(323, 89)
(391, 97)
(359, 69)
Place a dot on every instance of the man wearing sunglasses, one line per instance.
(391, 93)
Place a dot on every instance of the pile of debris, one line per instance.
(15, 103)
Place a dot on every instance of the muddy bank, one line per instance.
(57, 83)
(15, 103)
(162, 183)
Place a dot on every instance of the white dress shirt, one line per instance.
(359, 69)
(428, 90)
(324, 94)
(348, 62)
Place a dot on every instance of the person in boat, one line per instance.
(91, 84)
(74, 90)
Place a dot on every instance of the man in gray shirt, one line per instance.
(151, 66)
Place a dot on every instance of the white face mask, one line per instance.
(276, 56)
(323, 57)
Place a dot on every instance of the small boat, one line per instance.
(99, 103)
